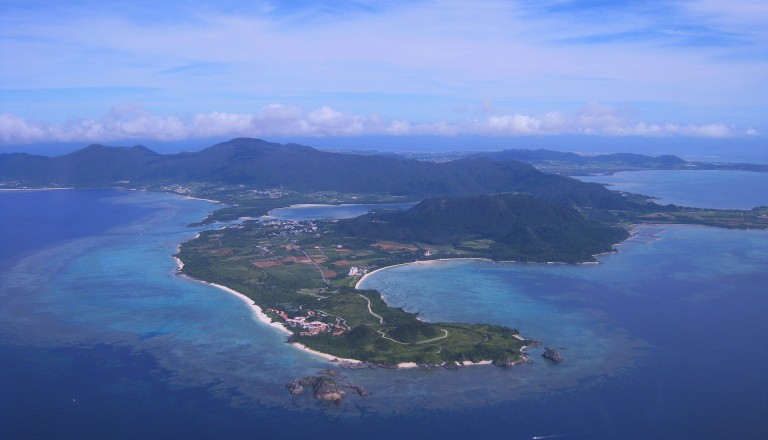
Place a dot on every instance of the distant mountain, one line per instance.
(573, 164)
(95, 165)
(258, 163)
(522, 227)
(617, 159)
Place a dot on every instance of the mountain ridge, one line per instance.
(259, 163)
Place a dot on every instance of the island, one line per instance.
(303, 276)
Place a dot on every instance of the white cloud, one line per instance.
(16, 130)
(453, 51)
(126, 123)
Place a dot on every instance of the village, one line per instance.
(310, 324)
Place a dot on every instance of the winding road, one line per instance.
(383, 335)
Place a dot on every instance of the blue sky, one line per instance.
(113, 72)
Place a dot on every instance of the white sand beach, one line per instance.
(325, 356)
(202, 199)
(256, 309)
(419, 262)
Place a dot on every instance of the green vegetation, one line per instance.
(297, 270)
(500, 227)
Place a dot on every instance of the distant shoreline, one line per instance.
(37, 189)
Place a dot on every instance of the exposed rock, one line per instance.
(506, 362)
(353, 365)
(553, 355)
(327, 390)
(324, 388)
(429, 365)
(451, 366)
(372, 365)
(359, 389)
(294, 387)
(388, 366)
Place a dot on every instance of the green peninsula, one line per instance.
(302, 274)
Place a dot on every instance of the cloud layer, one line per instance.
(126, 123)
(399, 67)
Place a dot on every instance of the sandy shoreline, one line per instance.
(256, 309)
(262, 316)
(419, 262)
(202, 199)
(438, 260)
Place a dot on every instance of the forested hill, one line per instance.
(515, 226)
(257, 163)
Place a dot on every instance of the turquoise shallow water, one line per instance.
(659, 340)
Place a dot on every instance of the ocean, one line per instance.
(701, 188)
(99, 338)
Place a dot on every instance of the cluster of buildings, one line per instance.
(268, 193)
(355, 271)
(178, 189)
(290, 227)
(359, 270)
(310, 323)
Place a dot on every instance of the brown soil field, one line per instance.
(391, 246)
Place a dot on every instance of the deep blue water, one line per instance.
(99, 338)
(697, 188)
(52, 216)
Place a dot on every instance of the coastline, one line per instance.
(326, 356)
(420, 262)
(438, 260)
(261, 316)
(36, 189)
(204, 200)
